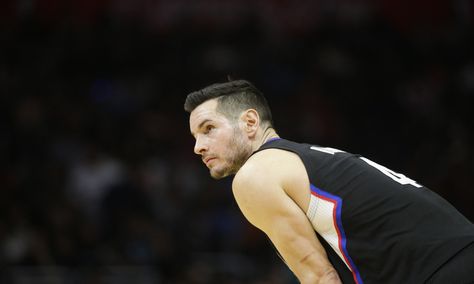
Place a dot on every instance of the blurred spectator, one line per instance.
(91, 178)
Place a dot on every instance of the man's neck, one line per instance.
(268, 134)
(265, 136)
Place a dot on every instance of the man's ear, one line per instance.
(250, 121)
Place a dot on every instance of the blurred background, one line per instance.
(98, 180)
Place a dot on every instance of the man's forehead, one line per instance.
(204, 112)
(209, 105)
(206, 109)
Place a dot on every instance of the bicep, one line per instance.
(268, 207)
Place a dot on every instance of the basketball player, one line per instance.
(333, 216)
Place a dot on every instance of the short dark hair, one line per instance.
(232, 98)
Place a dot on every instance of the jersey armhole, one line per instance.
(313, 204)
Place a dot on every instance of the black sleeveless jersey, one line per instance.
(377, 226)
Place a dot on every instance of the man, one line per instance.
(331, 215)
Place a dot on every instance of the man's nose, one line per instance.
(199, 146)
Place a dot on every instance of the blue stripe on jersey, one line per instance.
(341, 236)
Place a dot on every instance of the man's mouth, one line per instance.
(208, 159)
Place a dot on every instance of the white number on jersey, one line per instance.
(327, 150)
(400, 178)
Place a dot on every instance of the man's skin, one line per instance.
(271, 187)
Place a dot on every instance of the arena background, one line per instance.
(98, 180)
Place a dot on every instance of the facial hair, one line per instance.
(236, 156)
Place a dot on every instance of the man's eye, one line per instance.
(209, 128)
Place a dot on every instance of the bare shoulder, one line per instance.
(267, 185)
(271, 168)
(264, 166)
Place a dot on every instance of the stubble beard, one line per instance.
(237, 155)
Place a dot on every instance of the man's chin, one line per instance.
(219, 174)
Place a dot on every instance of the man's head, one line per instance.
(226, 119)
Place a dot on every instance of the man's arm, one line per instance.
(264, 202)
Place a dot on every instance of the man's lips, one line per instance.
(208, 159)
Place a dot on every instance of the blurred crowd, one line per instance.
(98, 180)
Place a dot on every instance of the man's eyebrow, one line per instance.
(201, 124)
